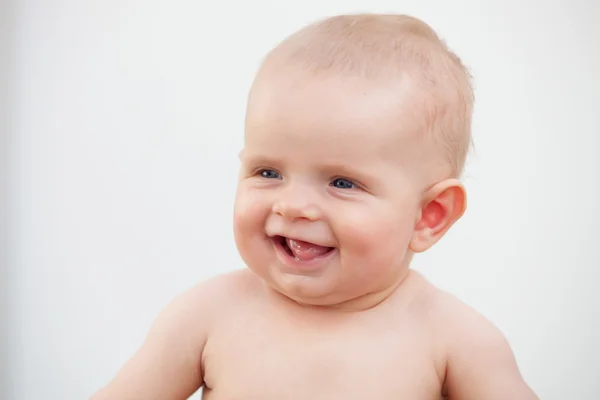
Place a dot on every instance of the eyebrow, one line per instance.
(361, 174)
(258, 159)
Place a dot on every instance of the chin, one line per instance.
(327, 290)
(322, 283)
(305, 288)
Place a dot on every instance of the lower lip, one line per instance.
(304, 265)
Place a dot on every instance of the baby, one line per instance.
(357, 130)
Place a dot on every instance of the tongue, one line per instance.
(306, 251)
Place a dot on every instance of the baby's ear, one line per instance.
(442, 206)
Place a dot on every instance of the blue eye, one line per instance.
(270, 174)
(341, 183)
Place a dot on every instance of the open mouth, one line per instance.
(283, 243)
(300, 250)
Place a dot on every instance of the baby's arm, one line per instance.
(168, 364)
(481, 364)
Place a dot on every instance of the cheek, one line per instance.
(249, 213)
(374, 232)
(252, 208)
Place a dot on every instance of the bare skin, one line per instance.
(253, 343)
(337, 192)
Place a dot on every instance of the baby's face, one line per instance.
(329, 192)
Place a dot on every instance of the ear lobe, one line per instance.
(445, 204)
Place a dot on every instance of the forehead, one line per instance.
(333, 117)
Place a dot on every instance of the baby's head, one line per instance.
(357, 130)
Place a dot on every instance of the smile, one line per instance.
(299, 254)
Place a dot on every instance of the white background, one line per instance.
(125, 120)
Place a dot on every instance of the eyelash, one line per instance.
(353, 185)
(263, 172)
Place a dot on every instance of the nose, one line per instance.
(297, 202)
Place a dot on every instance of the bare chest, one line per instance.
(268, 360)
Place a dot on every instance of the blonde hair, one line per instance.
(375, 45)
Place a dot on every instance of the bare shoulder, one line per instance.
(459, 320)
(199, 305)
(198, 309)
(214, 295)
(168, 363)
(479, 360)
